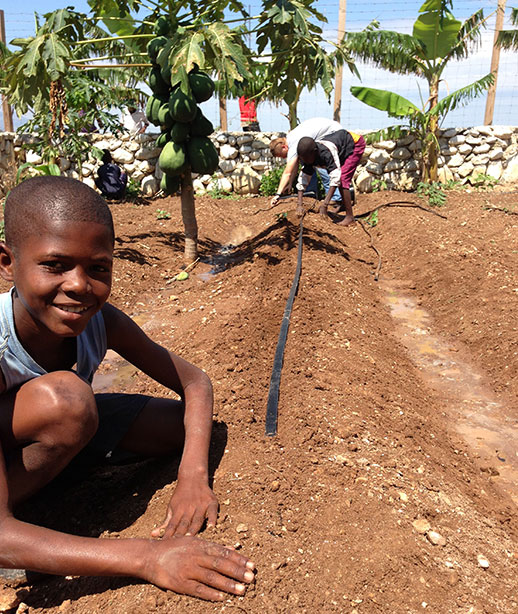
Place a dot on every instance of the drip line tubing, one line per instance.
(275, 379)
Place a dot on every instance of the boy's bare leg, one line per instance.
(43, 425)
(157, 431)
(349, 217)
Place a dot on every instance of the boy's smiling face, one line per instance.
(62, 277)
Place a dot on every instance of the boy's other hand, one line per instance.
(190, 505)
(199, 568)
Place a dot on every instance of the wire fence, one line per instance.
(400, 16)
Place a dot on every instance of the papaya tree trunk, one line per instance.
(223, 113)
(292, 108)
(189, 218)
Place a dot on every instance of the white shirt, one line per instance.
(316, 128)
(135, 122)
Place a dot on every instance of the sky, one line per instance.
(393, 15)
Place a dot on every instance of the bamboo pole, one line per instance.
(495, 60)
(339, 72)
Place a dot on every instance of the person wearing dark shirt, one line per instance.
(339, 153)
(111, 180)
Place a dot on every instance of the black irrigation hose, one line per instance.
(275, 379)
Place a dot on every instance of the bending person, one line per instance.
(339, 153)
(286, 147)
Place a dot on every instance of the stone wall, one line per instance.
(245, 157)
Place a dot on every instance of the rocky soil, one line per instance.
(368, 500)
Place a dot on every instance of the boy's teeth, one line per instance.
(77, 309)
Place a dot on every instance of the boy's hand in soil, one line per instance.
(191, 504)
(202, 569)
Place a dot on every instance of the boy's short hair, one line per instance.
(275, 145)
(306, 146)
(55, 198)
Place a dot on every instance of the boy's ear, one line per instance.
(6, 262)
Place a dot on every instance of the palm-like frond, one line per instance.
(392, 51)
(463, 95)
(469, 36)
(508, 39)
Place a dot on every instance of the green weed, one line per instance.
(433, 191)
(481, 181)
(378, 185)
(372, 220)
(161, 214)
(270, 181)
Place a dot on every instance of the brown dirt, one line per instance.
(365, 446)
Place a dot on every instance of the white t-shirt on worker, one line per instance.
(135, 122)
(316, 128)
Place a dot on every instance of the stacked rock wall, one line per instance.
(245, 157)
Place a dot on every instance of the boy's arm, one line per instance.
(287, 177)
(193, 501)
(183, 564)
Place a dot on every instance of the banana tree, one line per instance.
(437, 38)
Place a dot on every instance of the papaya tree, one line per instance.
(298, 56)
(437, 39)
(64, 101)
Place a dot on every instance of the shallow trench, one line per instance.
(487, 426)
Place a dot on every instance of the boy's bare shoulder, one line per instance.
(121, 331)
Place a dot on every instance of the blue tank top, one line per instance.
(18, 366)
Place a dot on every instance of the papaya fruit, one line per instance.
(202, 85)
(202, 155)
(182, 106)
(157, 84)
(200, 125)
(164, 117)
(164, 26)
(172, 159)
(154, 46)
(162, 139)
(165, 73)
(179, 132)
(152, 107)
(170, 184)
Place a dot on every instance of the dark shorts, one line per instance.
(117, 412)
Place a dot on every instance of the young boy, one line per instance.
(339, 153)
(55, 327)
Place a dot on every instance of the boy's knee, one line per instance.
(64, 409)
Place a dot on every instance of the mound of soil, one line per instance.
(368, 500)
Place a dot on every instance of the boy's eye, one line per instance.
(101, 268)
(53, 265)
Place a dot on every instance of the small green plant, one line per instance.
(481, 181)
(433, 191)
(378, 185)
(453, 184)
(36, 169)
(161, 214)
(270, 181)
(372, 220)
(132, 189)
(216, 191)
